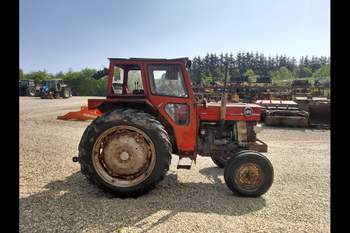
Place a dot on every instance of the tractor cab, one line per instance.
(54, 88)
(52, 84)
(26, 87)
(27, 83)
(126, 79)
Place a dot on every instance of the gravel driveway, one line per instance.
(55, 197)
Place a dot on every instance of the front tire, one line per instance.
(125, 152)
(221, 160)
(249, 174)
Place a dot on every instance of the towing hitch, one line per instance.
(75, 159)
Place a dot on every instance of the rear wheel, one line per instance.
(66, 93)
(56, 95)
(30, 92)
(249, 174)
(125, 152)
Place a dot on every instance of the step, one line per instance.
(186, 163)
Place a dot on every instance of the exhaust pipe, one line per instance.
(224, 98)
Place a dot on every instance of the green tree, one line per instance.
(282, 74)
(251, 75)
(101, 86)
(59, 75)
(304, 72)
(207, 79)
(38, 76)
(234, 73)
(323, 73)
(213, 65)
(21, 74)
(82, 81)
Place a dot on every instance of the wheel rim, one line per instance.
(124, 156)
(249, 176)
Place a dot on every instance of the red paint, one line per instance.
(185, 135)
(234, 112)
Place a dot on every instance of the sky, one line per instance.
(74, 34)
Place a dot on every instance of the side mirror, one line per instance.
(101, 73)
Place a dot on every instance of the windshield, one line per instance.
(167, 79)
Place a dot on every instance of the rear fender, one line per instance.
(144, 106)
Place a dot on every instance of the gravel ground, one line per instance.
(55, 197)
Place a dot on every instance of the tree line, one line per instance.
(81, 82)
(210, 68)
(207, 69)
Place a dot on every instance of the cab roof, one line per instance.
(148, 59)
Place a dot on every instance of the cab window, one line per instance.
(167, 80)
(127, 80)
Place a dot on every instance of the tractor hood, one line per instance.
(234, 112)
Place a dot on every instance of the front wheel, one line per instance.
(221, 160)
(249, 174)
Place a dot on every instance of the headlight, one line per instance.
(248, 111)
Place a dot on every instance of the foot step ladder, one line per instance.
(184, 163)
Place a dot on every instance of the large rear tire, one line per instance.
(66, 93)
(125, 152)
(30, 91)
(249, 174)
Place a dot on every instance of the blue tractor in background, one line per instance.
(54, 89)
(27, 87)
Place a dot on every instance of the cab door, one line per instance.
(171, 93)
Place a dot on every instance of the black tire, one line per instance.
(221, 162)
(256, 158)
(126, 117)
(56, 95)
(66, 93)
(30, 92)
(245, 151)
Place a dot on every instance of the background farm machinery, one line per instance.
(27, 87)
(54, 89)
(47, 89)
(297, 105)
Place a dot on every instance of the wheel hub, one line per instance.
(124, 155)
(249, 176)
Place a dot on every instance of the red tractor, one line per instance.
(150, 113)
